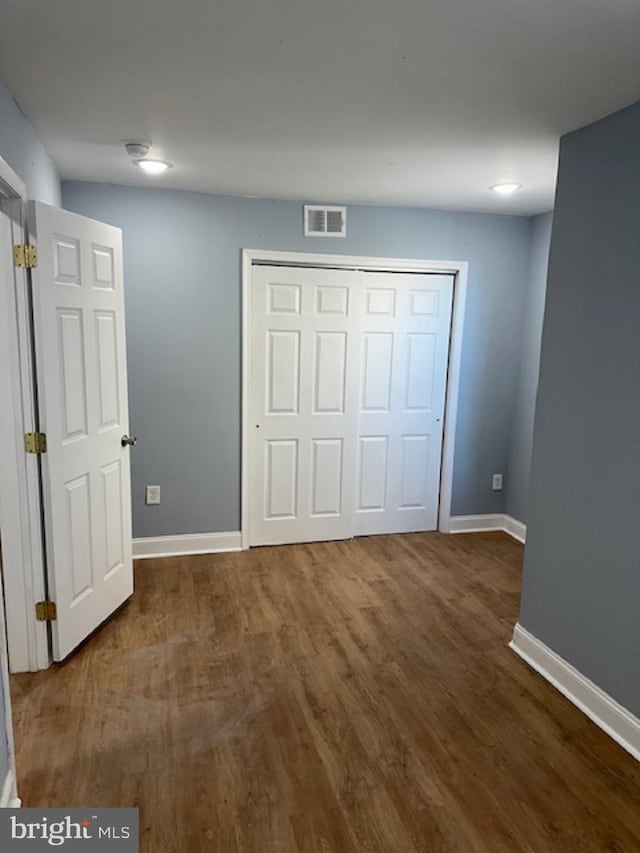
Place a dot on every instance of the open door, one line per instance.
(79, 334)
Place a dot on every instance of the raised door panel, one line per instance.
(326, 479)
(106, 341)
(79, 534)
(372, 480)
(73, 385)
(283, 372)
(284, 298)
(419, 367)
(113, 513)
(380, 302)
(332, 300)
(377, 365)
(424, 303)
(281, 479)
(329, 373)
(103, 268)
(414, 475)
(66, 261)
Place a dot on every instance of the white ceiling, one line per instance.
(403, 102)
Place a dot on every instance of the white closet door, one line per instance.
(404, 345)
(303, 369)
(348, 375)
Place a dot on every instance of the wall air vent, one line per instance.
(321, 221)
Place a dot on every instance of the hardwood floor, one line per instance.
(326, 698)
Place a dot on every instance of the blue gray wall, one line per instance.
(23, 151)
(182, 268)
(581, 589)
(517, 482)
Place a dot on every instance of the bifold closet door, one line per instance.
(405, 331)
(348, 377)
(303, 371)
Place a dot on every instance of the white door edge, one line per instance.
(457, 268)
(22, 540)
(24, 580)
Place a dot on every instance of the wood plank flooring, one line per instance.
(349, 697)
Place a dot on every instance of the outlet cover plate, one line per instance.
(152, 495)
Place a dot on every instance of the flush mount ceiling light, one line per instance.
(138, 152)
(153, 167)
(505, 189)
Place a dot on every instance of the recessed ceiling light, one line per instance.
(153, 167)
(505, 189)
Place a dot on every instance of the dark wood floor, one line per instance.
(352, 696)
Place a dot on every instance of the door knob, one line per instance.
(128, 440)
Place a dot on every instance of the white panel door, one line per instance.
(304, 368)
(82, 392)
(405, 331)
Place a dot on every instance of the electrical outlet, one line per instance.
(152, 495)
(497, 483)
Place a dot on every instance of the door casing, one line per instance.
(457, 268)
(23, 558)
(22, 639)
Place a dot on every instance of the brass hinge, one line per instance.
(35, 442)
(46, 611)
(25, 256)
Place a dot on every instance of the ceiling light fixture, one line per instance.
(138, 152)
(153, 167)
(505, 189)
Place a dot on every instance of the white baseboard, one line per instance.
(604, 711)
(8, 799)
(475, 523)
(7, 790)
(190, 543)
(215, 543)
(485, 523)
(515, 528)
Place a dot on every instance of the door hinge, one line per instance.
(25, 256)
(35, 442)
(46, 611)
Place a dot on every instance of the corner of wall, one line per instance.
(519, 464)
(24, 151)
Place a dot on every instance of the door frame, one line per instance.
(23, 641)
(459, 269)
(23, 556)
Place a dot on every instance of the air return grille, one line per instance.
(325, 221)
